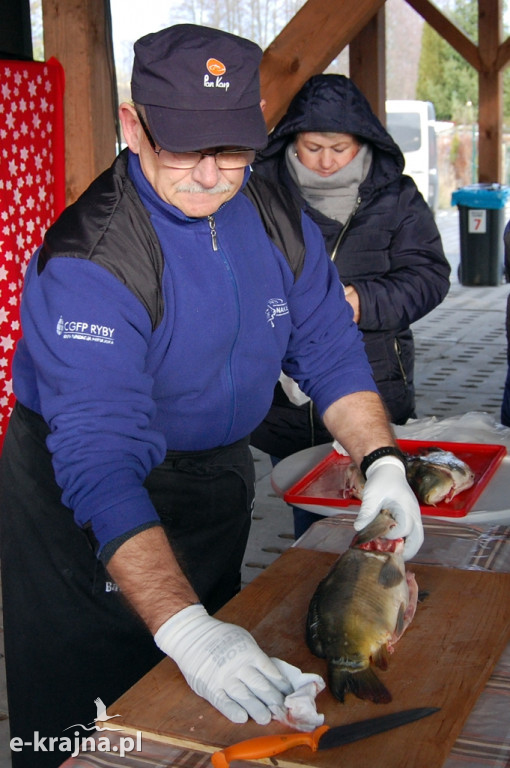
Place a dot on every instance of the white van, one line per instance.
(412, 126)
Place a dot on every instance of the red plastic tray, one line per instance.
(325, 483)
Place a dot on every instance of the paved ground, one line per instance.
(460, 367)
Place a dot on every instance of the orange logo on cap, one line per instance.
(215, 67)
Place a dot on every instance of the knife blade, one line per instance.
(325, 737)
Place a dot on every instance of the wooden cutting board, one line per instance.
(444, 660)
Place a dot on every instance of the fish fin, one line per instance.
(381, 657)
(339, 682)
(400, 625)
(390, 575)
(364, 684)
(312, 623)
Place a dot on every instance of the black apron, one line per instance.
(70, 637)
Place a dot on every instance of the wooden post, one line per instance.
(367, 63)
(490, 99)
(78, 34)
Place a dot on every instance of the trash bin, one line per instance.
(481, 222)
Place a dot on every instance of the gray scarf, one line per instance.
(335, 195)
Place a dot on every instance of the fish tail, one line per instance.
(364, 684)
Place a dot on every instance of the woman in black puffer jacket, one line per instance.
(334, 155)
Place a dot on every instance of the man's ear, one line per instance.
(131, 127)
(263, 103)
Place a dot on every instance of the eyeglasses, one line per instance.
(226, 159)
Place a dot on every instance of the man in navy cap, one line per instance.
(157, 316)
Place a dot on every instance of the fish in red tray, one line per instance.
(436, 475)
(360, 610)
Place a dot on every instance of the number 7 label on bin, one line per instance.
(477, 221)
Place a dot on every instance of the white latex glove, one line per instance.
(222, 663)
(386, 487)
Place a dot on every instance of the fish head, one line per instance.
(377, 529)
(430, 482)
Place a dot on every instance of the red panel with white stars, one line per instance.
(32, 188)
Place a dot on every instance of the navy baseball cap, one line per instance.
(200, 88)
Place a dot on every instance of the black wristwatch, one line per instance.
(387, 450)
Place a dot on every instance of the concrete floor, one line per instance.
(460, 367)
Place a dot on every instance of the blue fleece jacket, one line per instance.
(117, 394)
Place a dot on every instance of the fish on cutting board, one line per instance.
(360, 610)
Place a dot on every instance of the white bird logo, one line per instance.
(101, 716)
(101, 711)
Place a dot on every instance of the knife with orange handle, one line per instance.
(322, 738)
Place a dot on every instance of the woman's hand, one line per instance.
(352, 297)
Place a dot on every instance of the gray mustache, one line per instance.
(194, 187)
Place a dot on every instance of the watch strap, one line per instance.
(386, 450)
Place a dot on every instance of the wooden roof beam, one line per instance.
(503, 56)
(449, 31)
(306, 47)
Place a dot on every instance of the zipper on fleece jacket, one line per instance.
(212, 227)
(228, 365)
